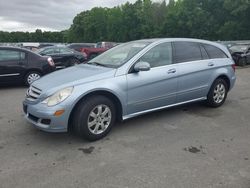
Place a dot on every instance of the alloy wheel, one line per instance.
(33, 77)
(99, 119)
(219, 93)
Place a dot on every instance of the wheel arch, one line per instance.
(225, 77)
(108, 94)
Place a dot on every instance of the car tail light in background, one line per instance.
(51, 62)
(233, 66)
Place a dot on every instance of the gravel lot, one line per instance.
(187, 146)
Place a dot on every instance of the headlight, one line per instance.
(58, 97)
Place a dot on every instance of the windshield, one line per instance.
(119, 55)
(239, 48)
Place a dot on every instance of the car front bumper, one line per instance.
(44, 119)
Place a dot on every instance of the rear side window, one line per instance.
(22, 55)
(204, 53)
(187, 51)
(65, 50)
(57, 51)
(214, 52)
(49, 51)
(11, 55)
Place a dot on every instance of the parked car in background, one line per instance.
(106, 45)
(32, 48)
(78, 46)
(18, 65)
(43, 45)
(100, 47)
(90, 53)
(241, 54)
(62, 56)
(128, 80)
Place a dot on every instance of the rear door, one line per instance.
(13, 64)
(158, 86)
(194, 70)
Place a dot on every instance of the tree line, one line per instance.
(206, 19)
(37, 36)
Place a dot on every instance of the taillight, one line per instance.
(233, 67)
(51, 62)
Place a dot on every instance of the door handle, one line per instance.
(211, 64)
(171, 71)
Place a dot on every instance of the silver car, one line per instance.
(128, 80)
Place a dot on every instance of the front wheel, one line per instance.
(217, 93)
(94, 118)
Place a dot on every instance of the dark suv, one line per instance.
(23, 66)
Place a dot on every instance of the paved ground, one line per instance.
(188, 146)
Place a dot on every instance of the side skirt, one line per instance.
(160, 108)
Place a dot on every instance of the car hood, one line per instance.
(72, 76)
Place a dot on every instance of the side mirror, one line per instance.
(142, 66)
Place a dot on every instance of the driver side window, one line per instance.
(159, 55)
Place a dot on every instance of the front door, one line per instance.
(154, 88)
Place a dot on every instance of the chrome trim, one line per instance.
(14, 74)
(60, 67)
(33, 93)
(160, 108)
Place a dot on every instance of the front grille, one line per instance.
(33, 93)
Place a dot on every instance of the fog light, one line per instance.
(59, 112)
(45, 121)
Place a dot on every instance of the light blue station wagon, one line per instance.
(128, 80)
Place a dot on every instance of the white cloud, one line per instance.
(28, 15)
(8, 25)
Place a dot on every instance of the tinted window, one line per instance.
(48, 51)
(214, 52)
(159, 56)
(187, 51)
(22, 55)
(204, 53)
(56, 50)
(65, 50)
(9, 55)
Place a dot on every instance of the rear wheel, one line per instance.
(31, 77)
(94, 118)
(217, 93)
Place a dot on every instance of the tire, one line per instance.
(86, 121)
(217, 93)
(31, 76)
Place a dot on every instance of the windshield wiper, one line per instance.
(97, 64)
